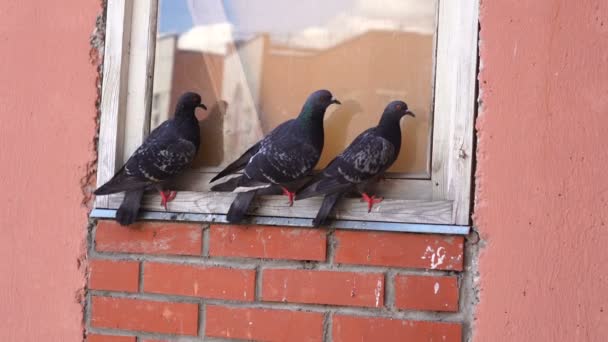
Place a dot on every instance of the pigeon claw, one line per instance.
(371, 200)
(289, 194)
(166, 197)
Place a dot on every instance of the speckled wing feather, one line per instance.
(285, 155)
(368, 156)
(164, 154)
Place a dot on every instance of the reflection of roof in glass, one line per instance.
(208, 38)
(219, 23)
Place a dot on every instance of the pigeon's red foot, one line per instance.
(371, 200)
(166, 197)
(289, 194)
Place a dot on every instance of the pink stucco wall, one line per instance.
(542, 184)
(542, 172)
(47, 111)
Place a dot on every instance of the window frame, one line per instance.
(443, 200)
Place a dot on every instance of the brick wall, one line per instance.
(164, 281)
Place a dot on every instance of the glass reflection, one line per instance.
(255, 61)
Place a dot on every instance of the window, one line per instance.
(254, 63)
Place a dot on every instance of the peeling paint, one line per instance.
(284, 299)
(377, 292)
(437, 256)
(167, 313)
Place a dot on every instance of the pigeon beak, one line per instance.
(410, 114)
(336, 101)
(202, 106)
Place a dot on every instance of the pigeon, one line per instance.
(287, 154)
(166, 152)
(364, 160)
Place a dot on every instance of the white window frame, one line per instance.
(444, 199)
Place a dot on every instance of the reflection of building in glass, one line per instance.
(163, 77)
(265, 82)
(232, 121)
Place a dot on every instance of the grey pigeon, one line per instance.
(364, 160)
(166, 152)
(287, 154)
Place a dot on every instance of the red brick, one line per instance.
(149, 238)
(267, 242)
(114, 275)
(144, 315)
(263, 324)
(427, 251)
(426, 293)
(199, 281)
(323, 287)
(110, 338)
(350, 328)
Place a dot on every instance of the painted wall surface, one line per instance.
(542, 173)
(47, 122)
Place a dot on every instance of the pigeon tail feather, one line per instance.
(228, 185)
(238, 164)
(322, 187)
(121, 182)
(329, 202)
(239, 206)
(127, 213)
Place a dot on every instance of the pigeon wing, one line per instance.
(238, 164)
(368, 156)
(162, 155)
(284, 156)
(244, 159)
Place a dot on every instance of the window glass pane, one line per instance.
(255, 61)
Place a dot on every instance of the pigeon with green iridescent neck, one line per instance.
(364, 160)
(287, 154)
(166, 152)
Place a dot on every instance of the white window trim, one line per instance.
(444, 199)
